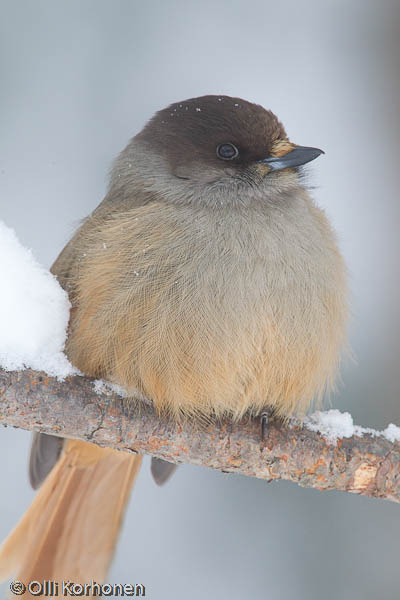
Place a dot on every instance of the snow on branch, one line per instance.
(365, 463)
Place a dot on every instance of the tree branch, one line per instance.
(365, 465)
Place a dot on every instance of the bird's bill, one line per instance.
(300, 155)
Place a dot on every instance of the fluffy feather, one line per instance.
(212, 310)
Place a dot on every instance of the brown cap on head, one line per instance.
(220, 132)
(192, 130)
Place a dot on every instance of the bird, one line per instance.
(208, 281)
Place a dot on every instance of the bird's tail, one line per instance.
(70, 530)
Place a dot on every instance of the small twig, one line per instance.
(365, 465)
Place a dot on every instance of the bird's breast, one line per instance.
(212, 311)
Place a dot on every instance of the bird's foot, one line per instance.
(265, 418)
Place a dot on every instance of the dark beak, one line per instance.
(300, 155)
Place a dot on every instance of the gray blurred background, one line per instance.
(77, 80)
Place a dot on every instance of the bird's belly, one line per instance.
(246, 330)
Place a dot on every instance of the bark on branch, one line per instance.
(363, 465)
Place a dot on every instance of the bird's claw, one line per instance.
(264, 419)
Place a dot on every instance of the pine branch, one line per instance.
(365, 465)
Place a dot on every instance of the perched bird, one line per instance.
(208, 281)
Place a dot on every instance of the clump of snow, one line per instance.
(392, 433)
(108, 388)
(334, 425)
(34, 312)
(102, 387)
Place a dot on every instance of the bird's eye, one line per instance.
(227, 151)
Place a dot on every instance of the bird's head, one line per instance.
(217, 142)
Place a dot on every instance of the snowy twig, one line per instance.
(365, 464)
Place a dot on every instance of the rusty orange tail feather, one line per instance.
(70, 530)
